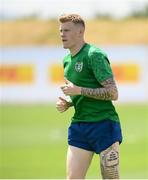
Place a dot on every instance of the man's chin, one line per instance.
(65, 47)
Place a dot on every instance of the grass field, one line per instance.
(33, 142)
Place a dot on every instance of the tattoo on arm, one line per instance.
(107, 92)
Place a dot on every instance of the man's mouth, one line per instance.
(64, 40)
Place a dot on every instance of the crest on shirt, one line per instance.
(79, 66)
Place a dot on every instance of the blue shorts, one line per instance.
(94, 136)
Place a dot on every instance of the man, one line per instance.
(95, 126)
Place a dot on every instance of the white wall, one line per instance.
(32, 74)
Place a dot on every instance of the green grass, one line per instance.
(33, 142)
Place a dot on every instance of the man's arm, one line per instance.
(107, 92)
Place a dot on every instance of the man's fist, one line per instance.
(62, 105)
(69, 89)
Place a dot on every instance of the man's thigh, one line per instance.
(109, 162)
(78, 161)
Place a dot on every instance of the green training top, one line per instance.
(88, 68)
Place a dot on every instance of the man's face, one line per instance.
(70, 34)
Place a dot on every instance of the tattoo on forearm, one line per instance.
(107, 92)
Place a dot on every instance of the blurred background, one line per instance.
(33, 135)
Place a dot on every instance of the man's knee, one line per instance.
(110, 162)
(75, 175)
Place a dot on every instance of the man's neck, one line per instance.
(76, 48)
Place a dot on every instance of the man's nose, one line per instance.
(62, 34)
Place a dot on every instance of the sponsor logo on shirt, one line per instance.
(79, 66)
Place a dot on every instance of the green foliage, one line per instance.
(106, 16)
(140, 13)
(33, 142)
(137, 13)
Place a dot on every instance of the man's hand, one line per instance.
(62, 105)
(69, 89)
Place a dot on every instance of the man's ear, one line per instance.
(81, 30)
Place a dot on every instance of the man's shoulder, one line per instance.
(94, 50)
(96, 54)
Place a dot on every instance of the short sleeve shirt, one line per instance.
(89, 68)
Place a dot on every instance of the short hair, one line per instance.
(75, 18)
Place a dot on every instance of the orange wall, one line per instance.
(16, 74)
(124, 73)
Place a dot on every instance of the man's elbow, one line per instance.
(115, 96)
